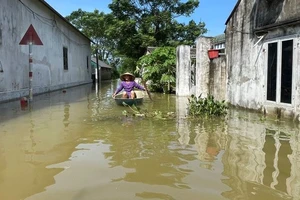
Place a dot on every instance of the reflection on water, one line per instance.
(66, 115)
(262, 161)
(210, 140)
(78, 145)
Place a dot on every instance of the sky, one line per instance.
(213, 13)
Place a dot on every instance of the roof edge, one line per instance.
(63, 18)
(234, 9)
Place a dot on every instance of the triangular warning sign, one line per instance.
(31, 36)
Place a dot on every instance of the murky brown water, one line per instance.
(78, 146)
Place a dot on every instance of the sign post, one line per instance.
(30, 71)
(30, 38)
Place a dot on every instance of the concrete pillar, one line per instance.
(203, 44)
(183, 71)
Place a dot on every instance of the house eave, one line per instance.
(63, 18)
(267, 28)
(233, 11)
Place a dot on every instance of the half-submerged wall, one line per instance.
(200, 75)
(263, 56)
(62, 61)
(183, 71)
(218, 78)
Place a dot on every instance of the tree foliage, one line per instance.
(144, 23)
(123, 35)
(160, 68)
(94, 25)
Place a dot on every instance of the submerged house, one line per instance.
(105, 69)
(263, 56)
(261, 65)
(63, 59)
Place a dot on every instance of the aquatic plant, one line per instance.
(138, 112)
(198, 106)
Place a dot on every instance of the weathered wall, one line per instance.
(210, 75)
(48, 71)
(245, 76)
(277, 11)
(105, 73)
(183, 71)
(247, 55)
(218, 78)
(202, 66)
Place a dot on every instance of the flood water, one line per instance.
(78, 145)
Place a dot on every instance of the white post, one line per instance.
(183, 71)
(30, 71)
(202, 66)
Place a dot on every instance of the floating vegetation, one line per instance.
(198, 106)
(138, 112)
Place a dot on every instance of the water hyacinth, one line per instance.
(208, 106)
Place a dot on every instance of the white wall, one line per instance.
(210, 75)
(183, 71)
(247, 61)
(48, 71)
(245, 69)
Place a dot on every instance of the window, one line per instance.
(272, 72)
(286, 71)
(65, 57)
(280, 71)
(87, 62)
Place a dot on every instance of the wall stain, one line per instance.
(15, 85)
(268, 12)
(1, 68)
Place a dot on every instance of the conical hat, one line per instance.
(131, 76)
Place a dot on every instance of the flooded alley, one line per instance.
(77, 144)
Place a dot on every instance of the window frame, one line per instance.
(279, 70)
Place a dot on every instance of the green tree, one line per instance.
(144, 23)
(94, 25)
(123, 35)
(160, 68)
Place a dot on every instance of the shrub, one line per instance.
(206, 106)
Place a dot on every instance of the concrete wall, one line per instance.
(247, 54)
(245, 76)
(203, 44)
(218, 78)
(48, 71)
(106, 73)
(278, 11)
(210, 75)
(183, 71)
